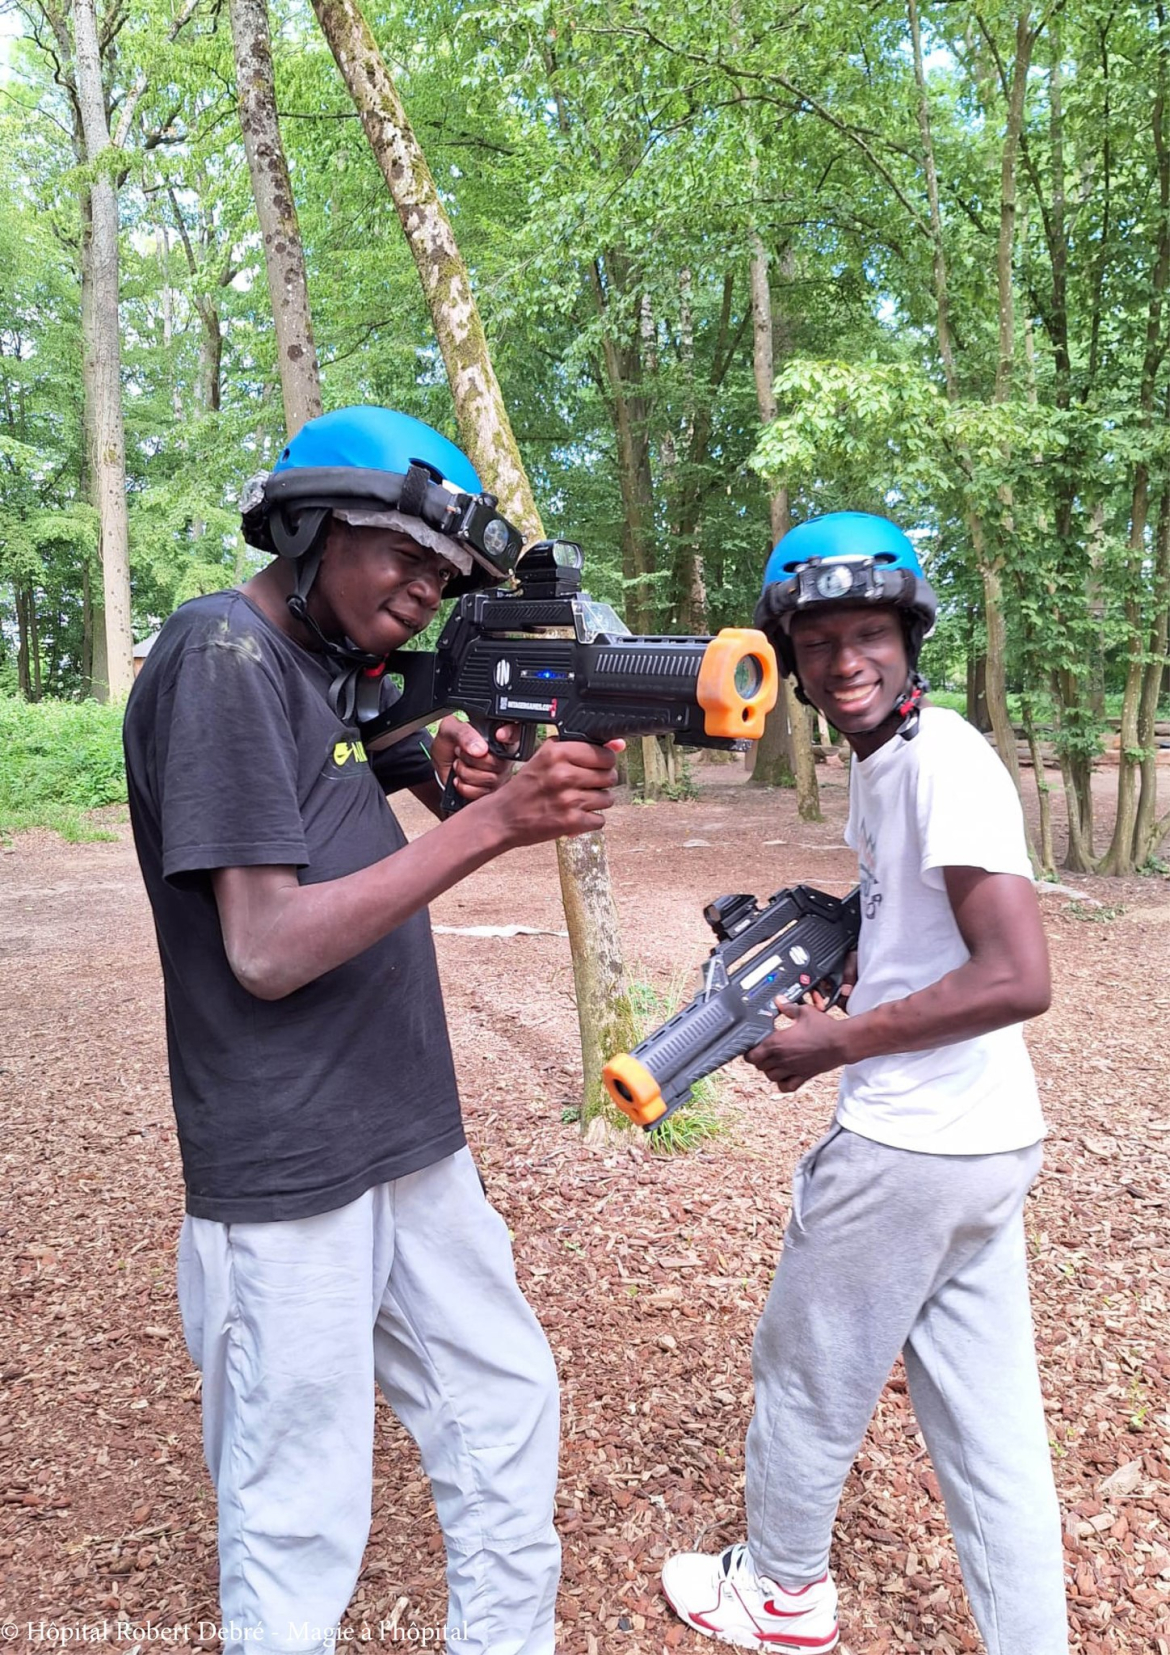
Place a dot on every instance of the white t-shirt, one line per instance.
(942, 800)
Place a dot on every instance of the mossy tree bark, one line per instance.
(284, 255)
(101, 344)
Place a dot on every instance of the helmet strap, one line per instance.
(356, 692)
(343, 655)
(910, 705)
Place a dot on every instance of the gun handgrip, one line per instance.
(452, 799)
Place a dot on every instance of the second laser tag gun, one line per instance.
(550, 654)
(782, 951)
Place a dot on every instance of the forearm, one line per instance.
(974, 999)
(279, 940)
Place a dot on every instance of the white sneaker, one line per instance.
(723, 1597)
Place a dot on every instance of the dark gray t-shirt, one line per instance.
(234, 758)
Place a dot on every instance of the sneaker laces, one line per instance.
(735, 1560)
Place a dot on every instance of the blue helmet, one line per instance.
(373, 465)
(846, 557)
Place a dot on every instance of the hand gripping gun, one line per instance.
(782, 951)
(549, 654)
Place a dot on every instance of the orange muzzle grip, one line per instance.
(738, 684)
(633, 1089)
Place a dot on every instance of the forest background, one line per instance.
(737, 265)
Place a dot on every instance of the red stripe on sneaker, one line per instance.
(771, 1640)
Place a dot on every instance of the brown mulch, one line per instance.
(647, 1273)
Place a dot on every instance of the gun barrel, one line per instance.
(522, 667)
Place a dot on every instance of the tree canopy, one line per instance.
(965, 214)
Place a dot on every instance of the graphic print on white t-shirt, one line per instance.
(871, 894)
(943, 800)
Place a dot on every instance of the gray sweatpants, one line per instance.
(890, 1251)
(412, 1285)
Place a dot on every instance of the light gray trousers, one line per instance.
(889, 1251)
(412, 1285)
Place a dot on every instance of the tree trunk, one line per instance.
(604, 1011)
(210, 357)
(1006, 246)
(690, 574)
(34, 641)
(771, 766)
(102, 371)
(1147, 829)
(690, 579)
(284, 256)
(1043, 792)
(484, 428)
(977, 692)
(23, 675)
(787, 719)
(985, 559)
(627, 409)
(211, 339)
(86, 630)
(654, 768)
(1120, 858)
(1076, 772)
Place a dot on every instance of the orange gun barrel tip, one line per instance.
(738, 683)
(633, 1089)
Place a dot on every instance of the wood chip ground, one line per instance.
(647, 1273)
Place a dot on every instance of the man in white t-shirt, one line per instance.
(906, 1234)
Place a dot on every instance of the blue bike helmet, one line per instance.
(848, 557)
(372, 466)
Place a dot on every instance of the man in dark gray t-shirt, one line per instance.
(336, 1232)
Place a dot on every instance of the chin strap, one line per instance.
(356, 673)
(909, 707)
(356, 692)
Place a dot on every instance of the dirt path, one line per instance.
(648, 1274)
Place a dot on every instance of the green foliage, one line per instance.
(1096, 913)
(609, 168)
(57, 761)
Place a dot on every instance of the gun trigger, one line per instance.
(834, 998)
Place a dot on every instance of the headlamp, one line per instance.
(473, 518)
(496, 538)
(834, 581)
(859, 580)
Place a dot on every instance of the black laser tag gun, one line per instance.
(549, 654)
(782, 951)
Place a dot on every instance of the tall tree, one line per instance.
(102, 362)
(787, 722)
(604, 1009)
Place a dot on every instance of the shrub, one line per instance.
(57, 759)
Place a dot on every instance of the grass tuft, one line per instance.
(700, 1119)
